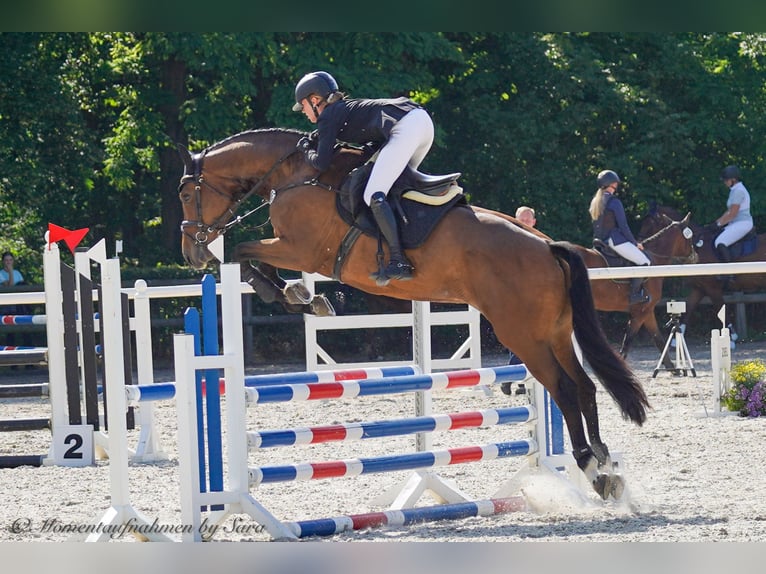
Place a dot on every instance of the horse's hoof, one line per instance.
(321, 307)
(297, 294)
(607, 485)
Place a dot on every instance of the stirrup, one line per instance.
(400, 270)
(639, 297)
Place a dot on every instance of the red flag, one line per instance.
(71, 238)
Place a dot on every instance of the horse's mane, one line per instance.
(671, 212)
(250, 135)
(347, 159)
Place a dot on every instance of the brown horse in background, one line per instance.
(534, 293)
(711, 286)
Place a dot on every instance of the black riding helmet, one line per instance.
(731, 172)
(320, 83)
(606, 178)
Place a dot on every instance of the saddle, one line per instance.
(613, 259)
(743, 247)
(419, 202)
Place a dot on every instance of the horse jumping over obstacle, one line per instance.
(534, 293)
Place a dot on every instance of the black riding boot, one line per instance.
(637, 294)
(724, 255)
(398, 266)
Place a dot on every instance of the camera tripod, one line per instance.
(683, 359)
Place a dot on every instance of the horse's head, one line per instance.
(667, 238)
(218, 181)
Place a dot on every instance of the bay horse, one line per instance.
(534, 293)
(711, 286)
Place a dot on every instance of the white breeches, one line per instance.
(408, 144)
(733, 232)
(631, 253)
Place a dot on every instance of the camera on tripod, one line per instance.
(676, 307)
(683, 361)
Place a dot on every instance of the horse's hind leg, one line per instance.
(576, 398)
(600, 471)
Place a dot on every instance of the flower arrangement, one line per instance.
(748, 392)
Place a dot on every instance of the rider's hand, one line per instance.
(304, 144)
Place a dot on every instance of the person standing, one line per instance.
(10, 276)
(526, 215)
(611, 227)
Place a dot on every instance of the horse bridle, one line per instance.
(227, 219)
(688, 235)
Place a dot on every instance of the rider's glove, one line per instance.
(304, 144)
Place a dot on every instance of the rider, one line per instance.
(611, 226)
(403, 129)
(736, 221)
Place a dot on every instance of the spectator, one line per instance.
(9, 276)
(526, 215)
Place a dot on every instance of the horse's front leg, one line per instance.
(272, 288)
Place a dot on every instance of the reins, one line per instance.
(691, 258)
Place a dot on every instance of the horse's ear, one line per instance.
(653, 207)
(186, 158)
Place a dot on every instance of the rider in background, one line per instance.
(611, 226)
(403, 129)
(736, 220)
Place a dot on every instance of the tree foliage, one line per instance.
(89, 122)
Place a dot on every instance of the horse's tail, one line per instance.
(607, 364)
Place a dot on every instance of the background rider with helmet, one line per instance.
(736, 220)
(611, 226)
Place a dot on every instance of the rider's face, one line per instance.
(309, 109)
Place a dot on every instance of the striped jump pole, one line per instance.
(392, 385)
(23, 320)
(387, 428)
(167, 391)
(406, 516)
(391, 463)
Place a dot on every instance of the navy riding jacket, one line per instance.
(356, 121)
